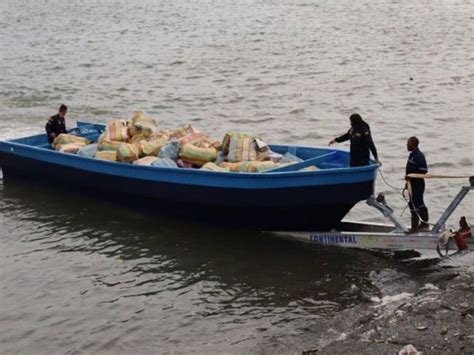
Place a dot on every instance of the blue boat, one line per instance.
(280, 199)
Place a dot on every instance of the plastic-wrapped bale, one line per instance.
(263, 150)
(197, 156)
(242, 149)
(164, 163)
(227, 138)
(117, 130)
(141, 126)
(163, 134)
(127, 153)
(261, 166)
(171, 151)
(275, 157)
(71, 148)
(214, 167)
(192, 138)
(152, 147)
(184, 131)
(207, 142)
(110, 155)
(235, 167)
(104, 143)
(89, 150)
(146, 161)
(69, 138)
(290, 158)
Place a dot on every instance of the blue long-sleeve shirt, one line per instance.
(416, 163)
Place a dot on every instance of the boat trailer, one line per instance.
(395, 236)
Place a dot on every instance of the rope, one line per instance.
(415, 209)
(434, 176)
(386, 182)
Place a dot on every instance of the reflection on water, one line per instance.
(140, 267)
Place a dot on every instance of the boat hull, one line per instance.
(278, 207)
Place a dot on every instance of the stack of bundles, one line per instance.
(250, 166)
(191, 154)
(242, 147)
(106, 155)
(128, 152)
(141, 127)
(146, 161)
(163, 134)
(214, 167)
(88, 151)
(67, 143)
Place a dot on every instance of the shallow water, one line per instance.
(80, 275)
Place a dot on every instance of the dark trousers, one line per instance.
(417, 205)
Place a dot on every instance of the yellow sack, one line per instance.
(72, 148)
(261, 166)
(110, 155)
(184, 131)
(117, 130)
(64, 138)
(142, 125)
(106, 144)
(127, 152)
(198, 156)
(152, 147)
(235, 167)
(242, 149)
(214, 167)
(146, 161)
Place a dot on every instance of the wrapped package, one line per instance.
(147, 161)
(71, 148)
(197, 156)
(164, 163)
(152, 147)
(242, 149)
(69, 138)
(192, 138)
(164, 134)
(127, 152)
(250, 166)
(110, 155)
(141, 126)
(227, 138)
(310, 168)
(117, 130)
(88, 151)
(214, 167)
(183, 131)
(104, 143)
(235, 167)
(171, 151)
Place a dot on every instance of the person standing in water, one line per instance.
(56, 124)
(361, 142)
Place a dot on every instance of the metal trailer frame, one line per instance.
(395, 236)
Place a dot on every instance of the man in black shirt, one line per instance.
(56, 124)
(416, 164)
(361, 142)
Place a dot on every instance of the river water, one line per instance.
(83, 276)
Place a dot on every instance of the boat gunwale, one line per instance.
(345, 170)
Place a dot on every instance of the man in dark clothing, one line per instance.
(361, 142)
(416, 164)
(56, 124)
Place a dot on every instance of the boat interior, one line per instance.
(322, 158)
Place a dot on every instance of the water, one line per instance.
(84, 276)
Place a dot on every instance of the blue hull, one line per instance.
(277, 201)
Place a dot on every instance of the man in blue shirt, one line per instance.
(361, 142)
(56, 124)
(416, 164)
